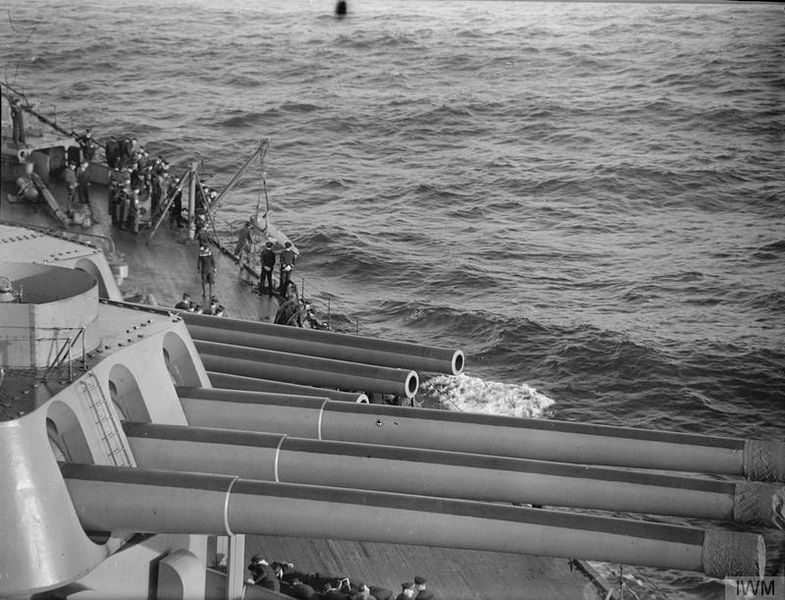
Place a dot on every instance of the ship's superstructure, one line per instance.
(73, 370)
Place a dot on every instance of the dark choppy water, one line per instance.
(587, 198)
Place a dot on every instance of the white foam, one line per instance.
(473, 394)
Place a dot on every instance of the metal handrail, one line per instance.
(65, 351)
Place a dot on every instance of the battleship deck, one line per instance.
(164, 269)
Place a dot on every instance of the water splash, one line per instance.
(472, 394)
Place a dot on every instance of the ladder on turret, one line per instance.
(106, 421)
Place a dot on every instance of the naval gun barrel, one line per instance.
(251, 384)
(326, 344)
(306, 370)
(277, 457)
(110, 499)
(539, 439)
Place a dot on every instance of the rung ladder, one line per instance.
(106, 421)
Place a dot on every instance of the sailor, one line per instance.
(313, 322)
(300, 589)
(242, 248)
(26, 189)
(124, 152)
(423, 593)
(287, 264)
(18, 120)
(144, 158)
(69, 178)
(330, 591)
(160, 188)
(263, 574)
(176, 204)
(283, 571)
(212, 307)
(206, 266)
(86, 143)
(290, 312)
(83, 180)
(6, 290)
(133, 150)
(201, 231)
(381, 593)
(136, 198)
(115, 193)
(112, 151)
(185, 303)
(268, 264)
(407, 591)
(123, 202)
(133, 171)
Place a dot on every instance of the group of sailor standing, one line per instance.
(268, 258)
(138, 184)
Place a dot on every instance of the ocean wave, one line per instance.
(465, 393)
(241, 119)
(243, 80)
(380, 41)
(299, 107)
(772, 301)
(771, 251)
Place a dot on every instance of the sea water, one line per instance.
(587, 198)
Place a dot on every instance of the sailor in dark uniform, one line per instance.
(185, 303)
(124, 152)
(290, 312)
(18, 121)
(112, 151)
(381, 593)
(407, 591)
(88, 145)
(423, 593)
(287, 264)
(263, 574)
(268, 264)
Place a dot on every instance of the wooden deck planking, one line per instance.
(451, 574)
(167, 266)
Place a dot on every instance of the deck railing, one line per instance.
(66, 352)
